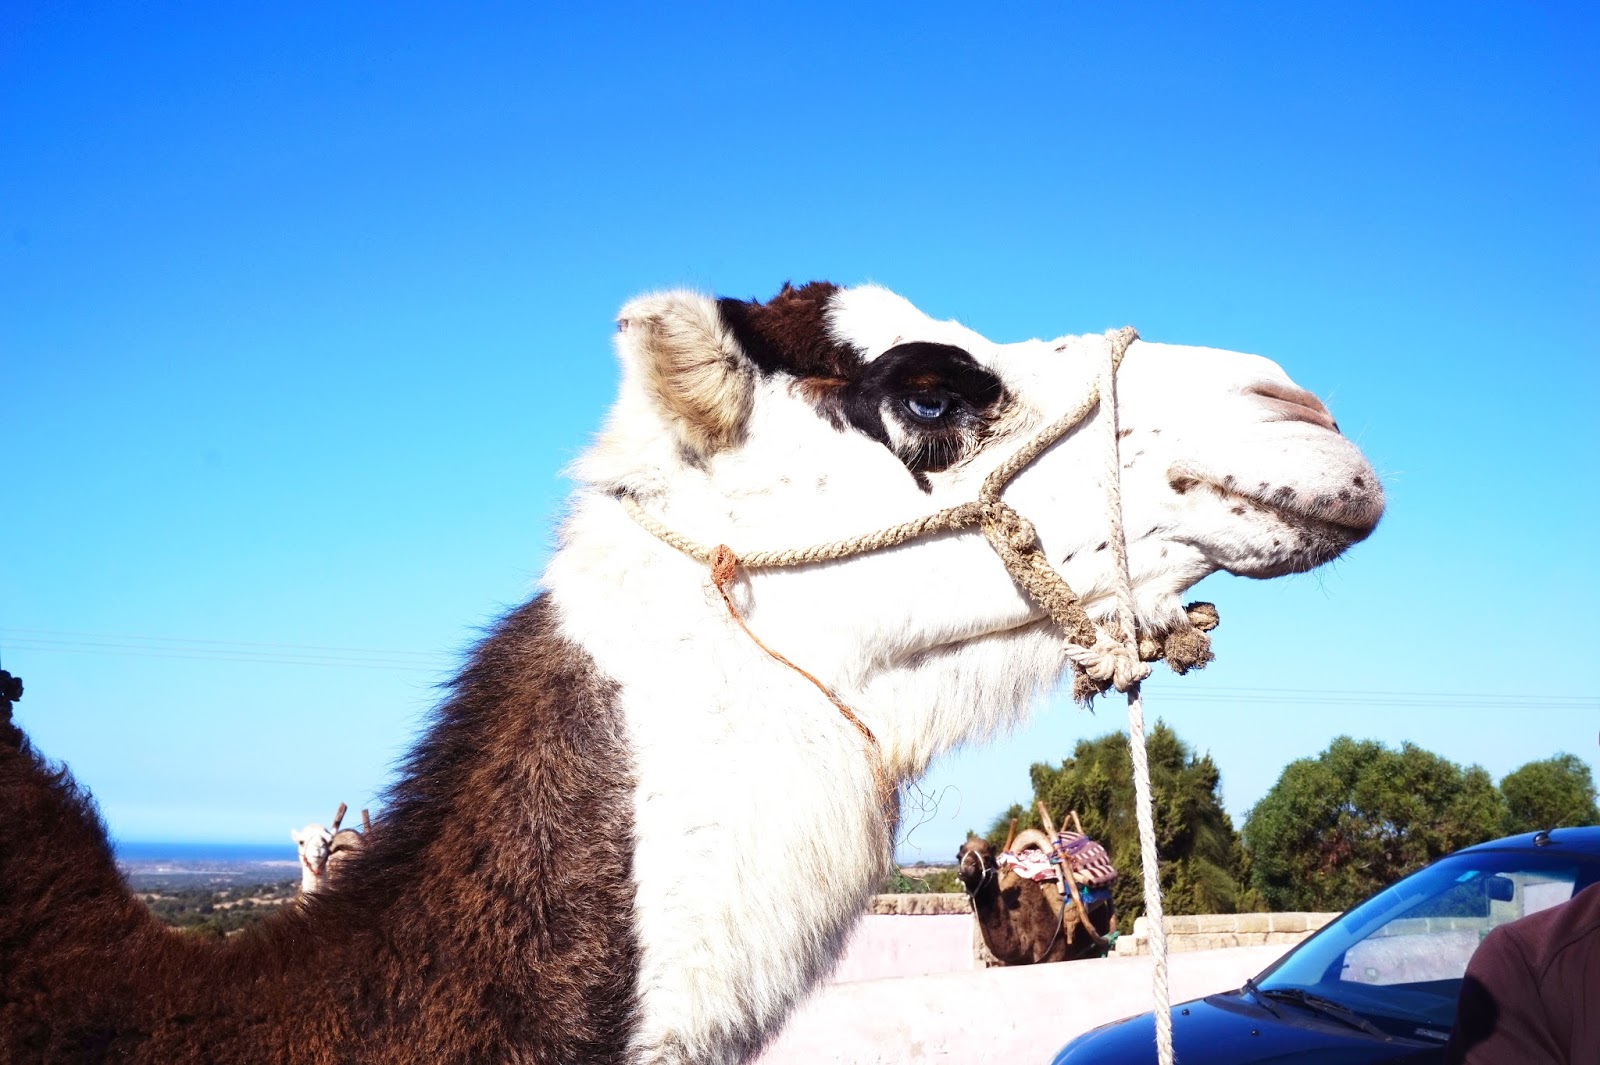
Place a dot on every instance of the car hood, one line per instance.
(1232, 1029)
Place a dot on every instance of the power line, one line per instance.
(217, 643)
(279, 660)
(59, 641)
(1352, 691)
(1355, 697)
(235, 651)
(1422, 701)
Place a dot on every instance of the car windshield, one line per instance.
(1398, 958)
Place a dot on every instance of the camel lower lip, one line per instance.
(1352, 532)
(1317, 539)
(1352, 529)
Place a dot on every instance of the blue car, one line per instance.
(1378, 985)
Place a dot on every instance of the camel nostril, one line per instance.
(1293, 404)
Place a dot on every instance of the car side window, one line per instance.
(1434, 939)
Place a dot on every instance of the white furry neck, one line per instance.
(752, 789)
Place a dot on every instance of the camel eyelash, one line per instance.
(932, 453)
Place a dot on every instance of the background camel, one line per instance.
(313, 842)
(575, 863)
(1026, 922)
(325, 852)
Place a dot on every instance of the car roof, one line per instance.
(1585, 839)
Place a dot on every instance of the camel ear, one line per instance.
(294, 834)
(691, 366)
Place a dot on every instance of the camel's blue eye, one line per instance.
(928, 406)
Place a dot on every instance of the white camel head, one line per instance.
(823, 414)
(313, 842)
(829, 412)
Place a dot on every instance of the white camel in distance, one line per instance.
(580, 861)
(325, 851)
(312, 842)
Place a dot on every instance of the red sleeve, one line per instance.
(1500, 1018)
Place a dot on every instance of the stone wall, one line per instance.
(919, 905)
(1210, 931)
(1217, 931)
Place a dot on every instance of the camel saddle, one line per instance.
(1088, 862)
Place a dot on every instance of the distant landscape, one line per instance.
(212, 888)
(186, 865)
(220, 888)
(1333, 830)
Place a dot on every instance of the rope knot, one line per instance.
(1108, 663)
(1002, 521)
(724, 564)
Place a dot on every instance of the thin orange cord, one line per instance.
(724, 567)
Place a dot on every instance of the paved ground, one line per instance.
(1014, 1015)
(888, 946)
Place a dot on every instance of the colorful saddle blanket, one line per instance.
(1031, 864)
(1088, 861)
(1091, 865)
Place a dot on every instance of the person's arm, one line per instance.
(1500, 1015)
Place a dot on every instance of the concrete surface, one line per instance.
(1022, 1014)
(885, 946)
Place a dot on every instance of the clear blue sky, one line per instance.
(303, 310)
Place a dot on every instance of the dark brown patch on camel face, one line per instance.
(789, 333)
(931, 404)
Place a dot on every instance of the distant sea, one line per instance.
(154, 865)
(146, 851)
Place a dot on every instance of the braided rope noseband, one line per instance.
(1100, 659)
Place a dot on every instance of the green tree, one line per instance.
(1202, 860)
(1337, 827)
(1557, 791)
(925, 881)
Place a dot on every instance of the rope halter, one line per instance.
(1100, 659)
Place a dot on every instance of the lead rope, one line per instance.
(1102, 660)
(1149, 860)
